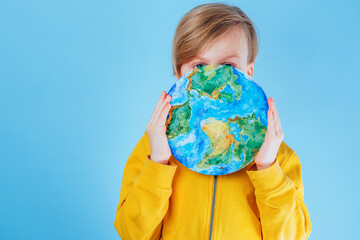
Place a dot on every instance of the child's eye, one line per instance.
(200, 64)
(195, 66)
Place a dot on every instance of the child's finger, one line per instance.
(272, 110)
(164, 114)
(277, 121)
(161, 108)
(275, 118)
(270, 127)
(157, 106)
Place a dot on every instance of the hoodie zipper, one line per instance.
(212, 208)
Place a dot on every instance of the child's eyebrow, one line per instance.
(234, 55)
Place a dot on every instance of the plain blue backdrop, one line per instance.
(79, 81)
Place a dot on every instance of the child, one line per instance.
(162, 199)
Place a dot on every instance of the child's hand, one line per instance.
(156, 129)
(273, 138)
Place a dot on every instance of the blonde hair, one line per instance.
(202, 24)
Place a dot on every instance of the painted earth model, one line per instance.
(218, 119)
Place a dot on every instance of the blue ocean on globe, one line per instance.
(218, 119)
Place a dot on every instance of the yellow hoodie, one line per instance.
(168, 202)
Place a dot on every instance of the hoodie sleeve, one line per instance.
(280, 199)
(144, 195)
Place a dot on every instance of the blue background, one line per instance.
(79, 81)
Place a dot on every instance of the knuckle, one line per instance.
(149, 126)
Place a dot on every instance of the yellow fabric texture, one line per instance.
(168, 202)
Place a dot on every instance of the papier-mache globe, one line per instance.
(218, 119)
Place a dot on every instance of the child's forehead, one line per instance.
(228, 42)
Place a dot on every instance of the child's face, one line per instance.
(231, 48)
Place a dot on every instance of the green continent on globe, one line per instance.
(254, 130)
(210, 81)
(178, 121)
(219, 150)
